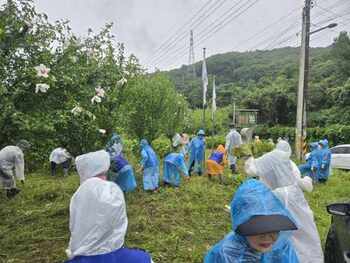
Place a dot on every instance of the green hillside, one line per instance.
(268, 80)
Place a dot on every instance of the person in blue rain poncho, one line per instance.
(174, 165)
(149, 166)
(260, 225)
(115, 145)
(311, 166)
(122, 173)
(324, 160)
(197, 153)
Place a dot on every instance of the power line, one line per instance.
(181, 34)
(215, 28)
(159, 58)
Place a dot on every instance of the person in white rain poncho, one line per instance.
(11, 166)
(98, 220)
(233, 140)
(60, 156)
(280, 174)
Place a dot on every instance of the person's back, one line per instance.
(9, 154)
(59, 155)
(217, 157)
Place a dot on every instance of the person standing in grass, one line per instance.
(11, 166)
(311, 166)
(97, 217)
(60, 156)
(260, 229)
(115, 145)
(233, 140)
(281, 175)
(149, 167)
(197, 153)
(215, 163)
(324, 157)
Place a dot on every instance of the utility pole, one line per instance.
(303, 82)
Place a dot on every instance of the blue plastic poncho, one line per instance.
(252, 198)
(114, 146)
(150, 165)
(174, 163)
(324, 160)
(311, 166)
(122, 173)
(197, 153)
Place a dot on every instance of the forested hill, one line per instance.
(267, 80)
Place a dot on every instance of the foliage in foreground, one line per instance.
(174, 225)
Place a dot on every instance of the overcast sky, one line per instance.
(143, 25)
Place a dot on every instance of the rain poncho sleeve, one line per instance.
(144, 158)
(12, 159)
(252, 198)
(275, 169)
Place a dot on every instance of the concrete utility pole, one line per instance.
(303, 82)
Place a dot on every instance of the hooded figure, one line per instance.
(256, 212)
(11, 166)
(197, 153)
(150, 166)
(173, 165)
(276, 170)
(324, 160)
(60, 156)
(215, 163)
(122, 173)
(233, 140)
(114, 146)
(311, 166)
(98, 220)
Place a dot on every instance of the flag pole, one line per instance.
(205, 84)
(213, 109)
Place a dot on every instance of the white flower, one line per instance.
(96, 99)
(122, 81)
(126, 73)
(77, 110)
(102, 131)
(74, 59)
(42, 87)
(42, 71)
(100, 92)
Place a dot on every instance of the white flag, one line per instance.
(204, 80)
(213, 106)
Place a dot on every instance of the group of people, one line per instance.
(271, 219)
(318, 161)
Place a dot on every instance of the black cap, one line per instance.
(263, 224)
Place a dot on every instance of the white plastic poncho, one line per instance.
(233, 139)
(59, 155)
(275, 169)
(92, 164)
(11, 159)
(98, 220)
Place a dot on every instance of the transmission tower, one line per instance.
(191, 65)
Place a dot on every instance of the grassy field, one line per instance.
(175, 225)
